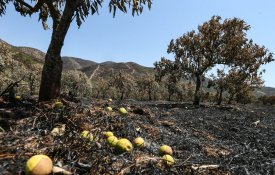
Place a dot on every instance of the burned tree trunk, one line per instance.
(52, 70)
(197, 95)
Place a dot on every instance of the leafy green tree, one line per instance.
(62, 13)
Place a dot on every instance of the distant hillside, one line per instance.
(109, 68)
(93, 69)
(268, 91)
(76, 63)
(90, 68)
(23, 55)
(35, 53)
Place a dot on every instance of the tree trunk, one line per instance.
(150, 96)
(122, 95)
(220, 97)
(197, 95)
(52, 69)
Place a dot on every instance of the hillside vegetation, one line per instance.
(107, 79)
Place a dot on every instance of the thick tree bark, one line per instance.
(51, 74)
(51, 77)
(197, 95)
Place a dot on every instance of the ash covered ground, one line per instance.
(206, 139)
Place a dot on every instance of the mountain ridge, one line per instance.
(93, 69)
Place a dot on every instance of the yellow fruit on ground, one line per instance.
(109, 109)
(38, 165)
(139, 142)
(86, 134)
(124, 145)
(18, 97)
(58, 105)
(108, 134)
(165, 149)
(112, 140)
(90, 137)
(168, 160)
(122, 111)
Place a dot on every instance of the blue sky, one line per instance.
(144, 39)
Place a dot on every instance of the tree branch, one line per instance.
(55, 14)
(31, 9)
(10, 86)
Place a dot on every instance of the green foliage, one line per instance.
(3, 4)
(82, 9)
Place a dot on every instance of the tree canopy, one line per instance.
(215, 42)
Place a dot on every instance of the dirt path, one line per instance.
(129, 67)
(94, 72)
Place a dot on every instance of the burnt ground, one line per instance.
(205, 139)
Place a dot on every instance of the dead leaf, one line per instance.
(58, 130)
(57, 169)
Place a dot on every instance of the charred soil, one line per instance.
(205, 139)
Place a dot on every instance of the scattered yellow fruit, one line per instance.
(109, 109)
(168, 160)
(124, 145)
(122, 111)
(165, 149)
(112, 140)
(58, 105)
(108, 134)
(18, 97)
(38, 165)
(88, 135)
(84, 134)
(91, 137)
(139, 142)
